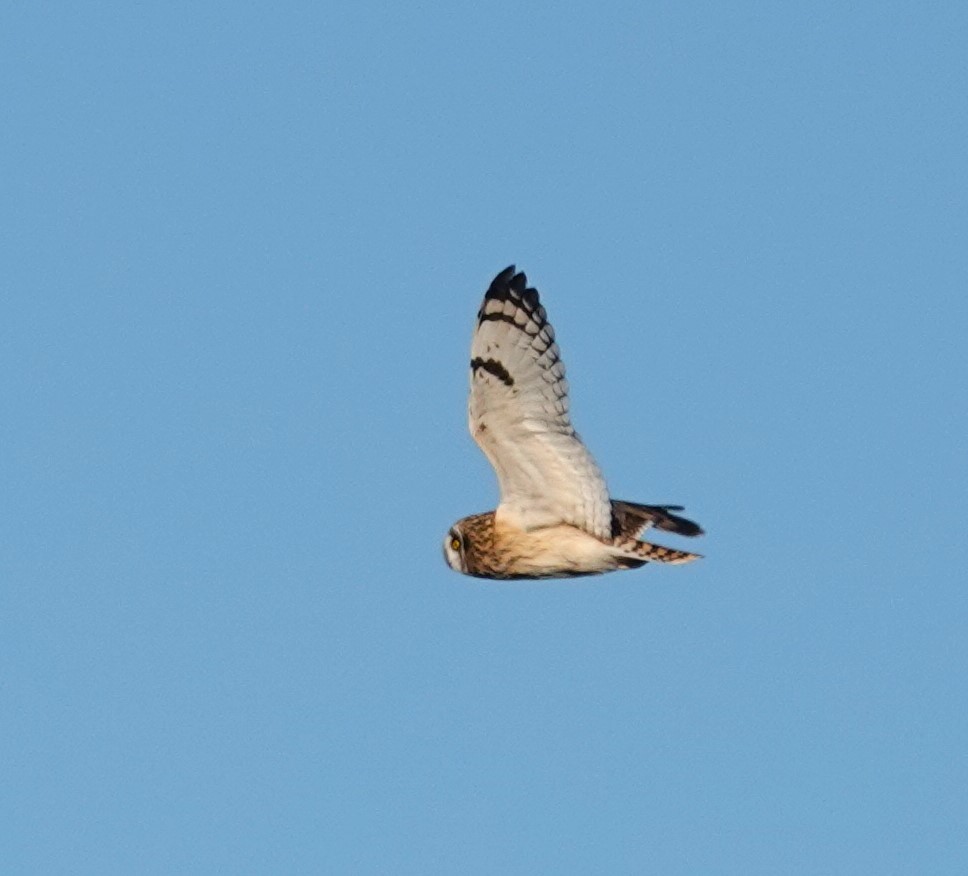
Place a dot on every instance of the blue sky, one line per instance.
(242, 251)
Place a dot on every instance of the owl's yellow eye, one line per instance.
(455, 544)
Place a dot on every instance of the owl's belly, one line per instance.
(554, 552)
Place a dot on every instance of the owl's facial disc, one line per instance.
(454, 551)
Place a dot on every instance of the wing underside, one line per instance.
(518, 414)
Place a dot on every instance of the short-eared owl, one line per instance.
(555, 519)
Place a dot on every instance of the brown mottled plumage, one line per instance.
(555, 519)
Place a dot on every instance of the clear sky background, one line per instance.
(242, 250)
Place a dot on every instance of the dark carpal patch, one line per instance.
(492, 366)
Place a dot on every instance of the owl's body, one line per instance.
(493, 548)
(555, 519)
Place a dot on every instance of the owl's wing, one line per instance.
(518, 413)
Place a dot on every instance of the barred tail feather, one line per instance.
(656, 553)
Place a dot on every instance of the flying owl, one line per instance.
(555, 518)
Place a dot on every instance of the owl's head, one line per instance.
(455, 549)
(469, 546)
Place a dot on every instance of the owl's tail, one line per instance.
(656, 553)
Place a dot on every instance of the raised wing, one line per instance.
(518, 414)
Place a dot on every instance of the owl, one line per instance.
(555, 518)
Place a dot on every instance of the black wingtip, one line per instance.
(503, 282)
(674, 523)
(687, 527)
(511, 283)
(625, 514)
